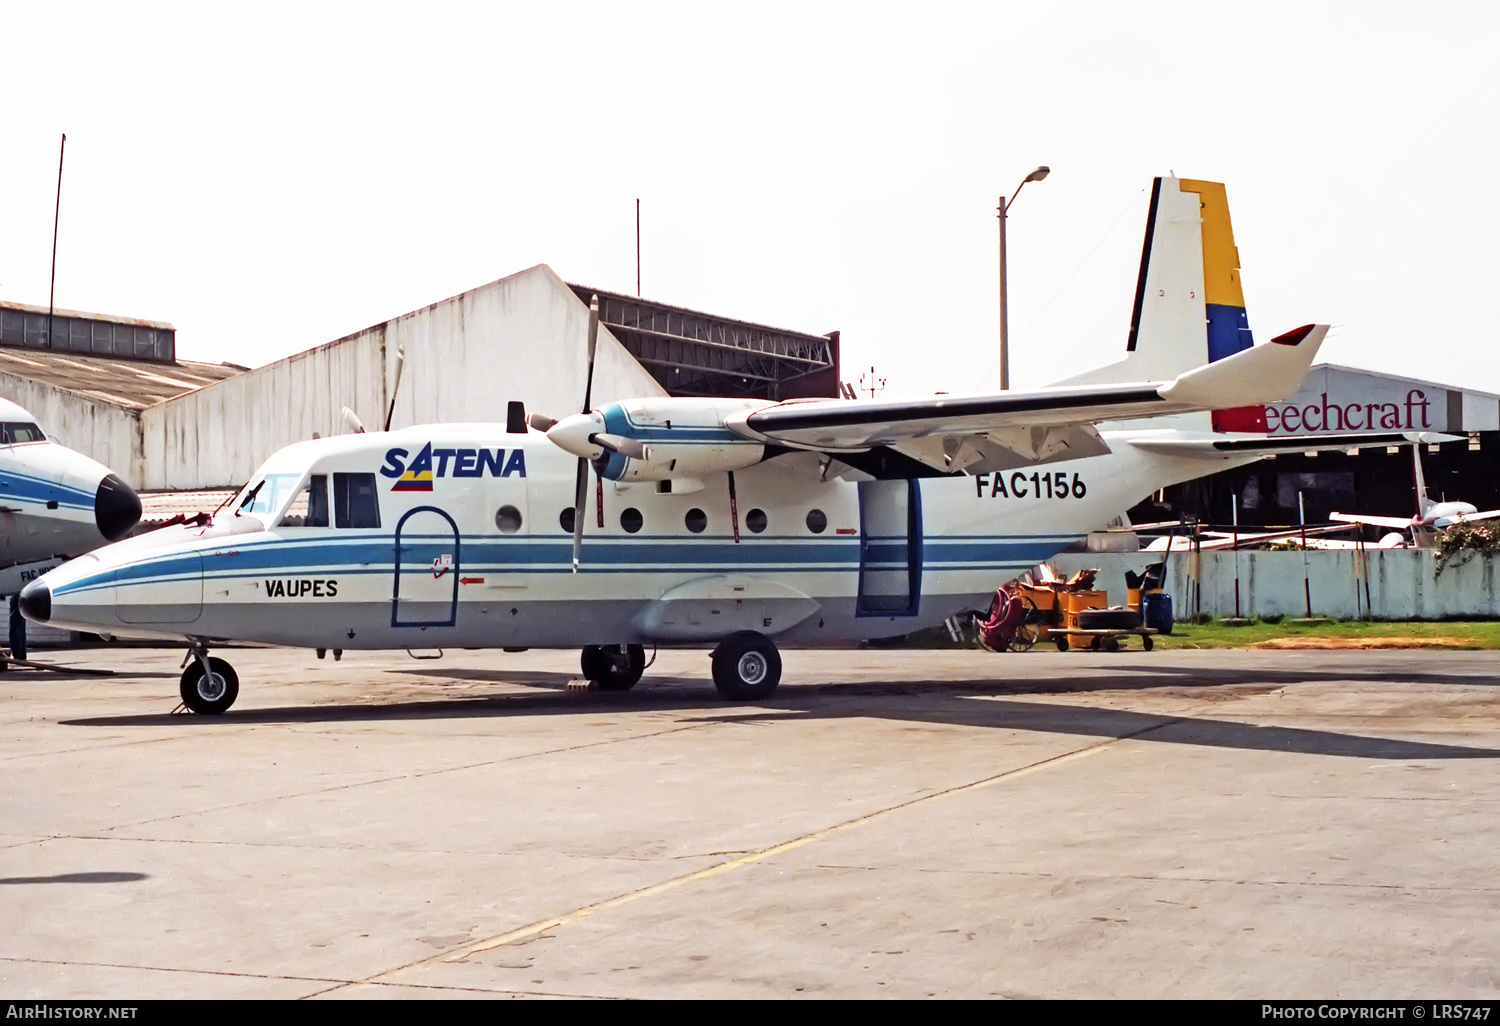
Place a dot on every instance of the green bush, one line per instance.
(1460, 543)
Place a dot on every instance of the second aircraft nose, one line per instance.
(116, 508)
(36, 602)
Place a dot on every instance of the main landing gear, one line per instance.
(209, 686)
(747, 667)
(614, 667)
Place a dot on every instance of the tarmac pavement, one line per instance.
(893, 822)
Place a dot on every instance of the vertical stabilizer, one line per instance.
(1189, 305)
(1424, 502)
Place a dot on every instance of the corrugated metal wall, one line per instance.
(522, 337)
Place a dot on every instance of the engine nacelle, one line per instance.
(673, 438)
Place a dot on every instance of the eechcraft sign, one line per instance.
(1343, 399)
(1303, 414)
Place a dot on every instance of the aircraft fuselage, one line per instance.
(461, 536)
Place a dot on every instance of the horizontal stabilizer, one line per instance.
(1263, 374)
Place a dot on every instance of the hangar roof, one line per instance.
(693, 353)
(133, 384)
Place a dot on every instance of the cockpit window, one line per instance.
(15, 432)
(310, 506)
(268, 494)
(355, 501)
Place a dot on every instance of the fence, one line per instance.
(1402, 584)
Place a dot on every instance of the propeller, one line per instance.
(400, 366)
(352, 419)
(581, 488)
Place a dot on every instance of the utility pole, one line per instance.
(56, 211)
(637, 247)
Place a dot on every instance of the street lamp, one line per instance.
(1003, 211)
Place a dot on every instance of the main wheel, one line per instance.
(211, 694)
(746, 667)
(611, 668)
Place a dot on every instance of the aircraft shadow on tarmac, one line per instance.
(972, 703)
(75, 878)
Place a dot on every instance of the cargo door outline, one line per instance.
(414, 560)
(890, 548)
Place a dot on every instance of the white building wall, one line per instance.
(523, 337)
(110, 434)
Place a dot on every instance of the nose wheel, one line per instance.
(747, 667)
(209, 686)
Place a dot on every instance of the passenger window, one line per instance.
(310, 507)
(355, 503)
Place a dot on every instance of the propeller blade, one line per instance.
(353, 421)
(620, 444)
(588, 386)
(540, 422)
(400, 366)
(580, 494)
(580, 497)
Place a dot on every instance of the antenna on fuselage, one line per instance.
(352, 419)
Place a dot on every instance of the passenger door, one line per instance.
(890, 548)
(427, 557)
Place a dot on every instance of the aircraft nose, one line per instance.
(36, 602)
(116, 508)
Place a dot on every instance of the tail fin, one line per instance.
(1189, 306)
(1424, 501)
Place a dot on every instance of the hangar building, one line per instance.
(113, 388)
(1336, 398)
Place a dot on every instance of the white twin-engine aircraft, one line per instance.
(54, 502)
(739, 523)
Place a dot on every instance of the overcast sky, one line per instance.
(270, 177)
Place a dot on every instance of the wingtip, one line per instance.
(1297, 336)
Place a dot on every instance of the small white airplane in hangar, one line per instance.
(55, 503)
(743, 523)
(1431, 517)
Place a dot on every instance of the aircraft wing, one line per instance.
(1395, 523)
(1211, 540)
(982, 433)
(1488, 514)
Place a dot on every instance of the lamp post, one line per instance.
(1003, 211)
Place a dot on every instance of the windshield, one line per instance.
(268, 494)
(13, 432)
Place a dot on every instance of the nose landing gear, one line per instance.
(209, 686)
